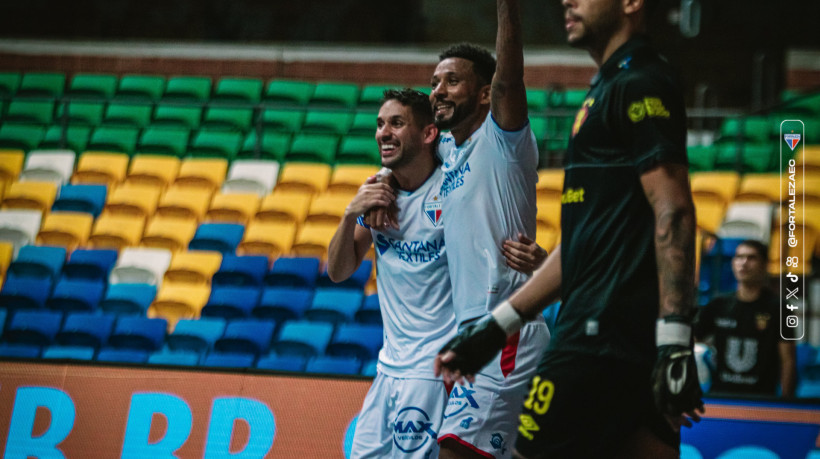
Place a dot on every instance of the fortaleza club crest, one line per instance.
(792, 140)
(433, 210)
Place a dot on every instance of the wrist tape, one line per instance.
(670, 332)
(508, 318)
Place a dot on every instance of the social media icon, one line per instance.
(791, 321)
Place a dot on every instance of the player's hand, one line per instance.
(523, 256)
(675, 384)
(469, 351)
(371, 195)
(381, 218)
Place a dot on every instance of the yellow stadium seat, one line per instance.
(6, 255)
(116, 231)
(179, 301)
(170, 233)
(808, 187)
(806, 239)
(11, 163)
(129, 199)
(204, 173)
(184, 202)
(287, 206)
(809, 158)
(709, 213)
(101, 167)
(347, 178)
(271, 239)
(717, 185)
(329, 208)
(152, 170)
(759, 187)
(313, 239)
(547, 237)
(193, 267)
(65, 229)
(550, 183)
(233, 207)
(549, 213)
(310, 177)
(30, 195)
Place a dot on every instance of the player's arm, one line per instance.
(523, 255)
(788, 368)
(351, 241)
(508, 100)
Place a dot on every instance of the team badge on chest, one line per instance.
(433, 210)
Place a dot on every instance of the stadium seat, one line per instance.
(751, 129)
(246, 336)
(759, 187)
(716, 185)
(231, 302)
(226, 360)
(347, 178)
(169, 233)
(549, 213)
(709, 213)
(181, 301)
(30, 112)
(19, 226)
(89, 114)
(289, 91)
(184, 202)
(6, 253)
(233, 208)
(235, 89)
(270, 239)
(116, 232)
(137, 200)
(138, 333)
(153, 171)
(41, 84)
(327, 122)
(90, 264)
(19, 351)
(334, 305)
(114, 139)
(25, 293)
(550, 184)
(241, 270)
(306, 177)
(251, 176)
(9, 82)
(536, 100)
(72, 295)
(313, 239)
(140, 265)
(11, 164)
(364, 122)
(273, 146)
(55, 166)
(30, 195)
(358, 150)
(291, 363)
(86, 329)
(188, 89)
(128, 299)
(293, 272)
(140, 87)
(73, 138)
(808, 187)
(288, 206)
(308, 147)
(370, 368)
(809, 158)
(334, 365)
(804, 250)
(175, 116)
(87, 198)
(202, 173)
(37, 328)
(283, 303)
(303, 338)
(193, 267)
(357, 280)
(38, 262)
(127, 115)
(164, 141)
(701, 157)
(361, 341)
(217, 144)
(335, 94)
(370, 312)
(180, 358)
(752, 157)
(218, 237)
(122, 355)
(747, 220)
(94, 86)
(372, 94)
(227, 119)
(21, 136)
(197, 335)
(59, 352)
(282, 120)
(328, 208)
(101, 168)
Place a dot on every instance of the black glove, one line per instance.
(475, 346)
(675, 382)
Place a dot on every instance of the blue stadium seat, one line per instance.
(20, 351)
(370, 313)
(283, 303)
(122, 355)
(197, 335)
(357, 280)
(219, 237)
(89, 199)
(59, 352)
(140, 333)
(219, 359)
(128, 298)
(246, 336)
(37, 328)
(38, 261)
(91, 264)
(25, 293)
(362, 341)
(303, 338)
(293, 272)
(550, 314)
(178, 358)
(3, 314)
(294, 363)
(334, 365)
(76, 295)
(369, 368)
(241, 270)
(86, 329)
(231, 302)
(335, 305)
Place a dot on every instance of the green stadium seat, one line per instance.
(30, 111)
(425, 89)
(87, 113)
(372, 94)
(232, 119)
(319, 148)
(238, 90)
(9, 82)
(49, 85)
(177, 116)
(114, 139)
(335, 94)
(274, 146)
(127, 115)
(282, 120)
(140, 87)
(289, 91)
(754, 157)
(358, 150)
(76, 137)
(22, 136)
(327, 122)
(364, 122)
(752, 128)
(164, 141)
(536, 100)
(538, 124)
(188, 88)
(98, 86)
(701, 157)
(566, 98)
(807, 104)
(220, 144)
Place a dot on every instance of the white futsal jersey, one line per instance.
(414, 284)
(489, 196)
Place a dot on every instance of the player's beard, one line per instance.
(461, 112)
(598, 29)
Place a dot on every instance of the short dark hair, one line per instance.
(759, 247)
(418, 102)
(483, 61)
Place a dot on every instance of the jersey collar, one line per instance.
(621, 58)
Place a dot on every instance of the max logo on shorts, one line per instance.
(412, 429)
(460, 399)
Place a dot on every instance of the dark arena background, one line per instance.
(171, 173)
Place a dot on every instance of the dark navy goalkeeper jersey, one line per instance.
(633, 119)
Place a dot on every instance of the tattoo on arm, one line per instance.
(675, 252)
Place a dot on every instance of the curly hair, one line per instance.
(483, 61)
